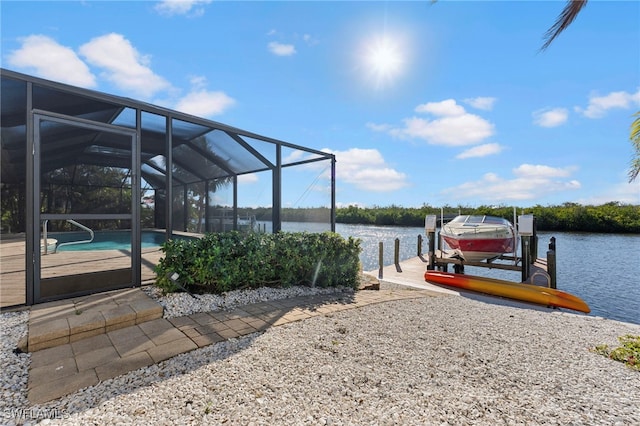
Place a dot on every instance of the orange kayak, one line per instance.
(511, 290)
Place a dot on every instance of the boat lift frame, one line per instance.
(528, 264)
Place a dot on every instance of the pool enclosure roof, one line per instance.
(200, 149)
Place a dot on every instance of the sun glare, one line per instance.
(384, 60)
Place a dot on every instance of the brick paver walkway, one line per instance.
(94, 356)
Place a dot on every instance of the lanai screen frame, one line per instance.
(255, 162)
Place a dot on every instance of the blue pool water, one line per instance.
(107, 240)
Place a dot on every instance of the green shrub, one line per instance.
(628, 353)
(221, 262)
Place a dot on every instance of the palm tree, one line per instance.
(635, 141)
(566, 17)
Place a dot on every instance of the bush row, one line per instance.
(221, 262)
(611, 217)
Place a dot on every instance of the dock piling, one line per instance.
(551, 262)
(431, 236)
(534, 243)
(525, 243)
(396, 254)
(430, 226)
(380, 259)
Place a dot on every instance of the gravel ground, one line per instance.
(430, 361)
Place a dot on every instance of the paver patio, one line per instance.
(74, 363)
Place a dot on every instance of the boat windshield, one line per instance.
(459, 219)
(474, 220)
(497, 220)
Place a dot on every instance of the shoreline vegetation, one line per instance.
(613, 217)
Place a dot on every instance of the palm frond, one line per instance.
(566, 17)
(635, 141)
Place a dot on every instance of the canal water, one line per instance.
(602, 269)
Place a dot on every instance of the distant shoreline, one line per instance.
(610, 218)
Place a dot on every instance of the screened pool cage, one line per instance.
(92, 182)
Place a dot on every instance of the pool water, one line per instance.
(108, 240)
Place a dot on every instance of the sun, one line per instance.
(384, 60)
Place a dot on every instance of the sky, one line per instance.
(445, 103)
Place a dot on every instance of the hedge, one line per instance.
(221, 262)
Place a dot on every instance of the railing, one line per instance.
(73, 222)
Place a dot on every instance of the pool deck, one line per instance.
(68, 263)
(12, 269)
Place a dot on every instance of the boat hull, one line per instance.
(476, 238)
(511, 290)
(478, 249)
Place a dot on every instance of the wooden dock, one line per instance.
(533, 270)
(537, 273)
(410, 274)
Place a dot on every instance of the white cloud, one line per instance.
(624, 192)
(367, 170)
(202, 102)
(123, 65)
(198, 82)
(540, 171)
(378, 127)
(205, 103)
(599, 105)
(44, 57)
(529, 183)
(550, 117)
(453, 126)
(448, 108)
(480, 151)
(248, 178)
(280, 49)
(309, 39)
(484, 103)
(460, 130)
(181, 7)
(295, 155)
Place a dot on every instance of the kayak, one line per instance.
(511, 290)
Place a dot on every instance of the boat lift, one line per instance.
(529, 265)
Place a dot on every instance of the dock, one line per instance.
(537, 272)
(409, 274)
(533, 270)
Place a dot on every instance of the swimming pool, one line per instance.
(108, 240)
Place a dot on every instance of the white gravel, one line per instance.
(430, 361)
(180, 304)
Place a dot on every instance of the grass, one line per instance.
(628, 353)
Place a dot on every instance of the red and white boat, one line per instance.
(476, 238)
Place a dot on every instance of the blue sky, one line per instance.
(445, 103)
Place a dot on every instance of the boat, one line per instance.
(523, 292)
(475, 238)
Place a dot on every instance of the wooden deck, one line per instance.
(13, 276)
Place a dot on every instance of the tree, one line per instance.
(566, 17)
(635, 141)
